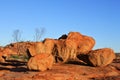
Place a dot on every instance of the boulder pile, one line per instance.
(74, 44)
(71, 47)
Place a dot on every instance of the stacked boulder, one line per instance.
(73, 46)
(41, 55)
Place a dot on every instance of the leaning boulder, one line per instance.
(101, 57)
(40, 62)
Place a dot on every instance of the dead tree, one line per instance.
(17, 38)
(39, 33)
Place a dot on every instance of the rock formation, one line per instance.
(73, 44)
(71, 47)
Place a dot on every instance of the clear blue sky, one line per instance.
(97, 18)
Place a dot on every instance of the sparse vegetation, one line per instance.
(19, 58)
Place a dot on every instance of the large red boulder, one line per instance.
(83, 43)
(69, 46)
(49, 45)
(101, 57)
(36, 48)
(40, 62)
(42, 47)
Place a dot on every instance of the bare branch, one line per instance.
(39, 33)
(16, 35)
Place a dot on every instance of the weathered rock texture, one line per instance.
(49, 45)
(84, 43)
(41, 62)
(36, 48)
(101, 57)
(69, 46)
(20, 47)
(42, 47)
(66, 48)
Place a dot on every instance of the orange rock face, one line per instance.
(49, 45)
(42, 47)
(68, 47)
(65, 48)
(101, 57)
(61, 52)
(83, 43)
(36, 48)
(41, 62)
